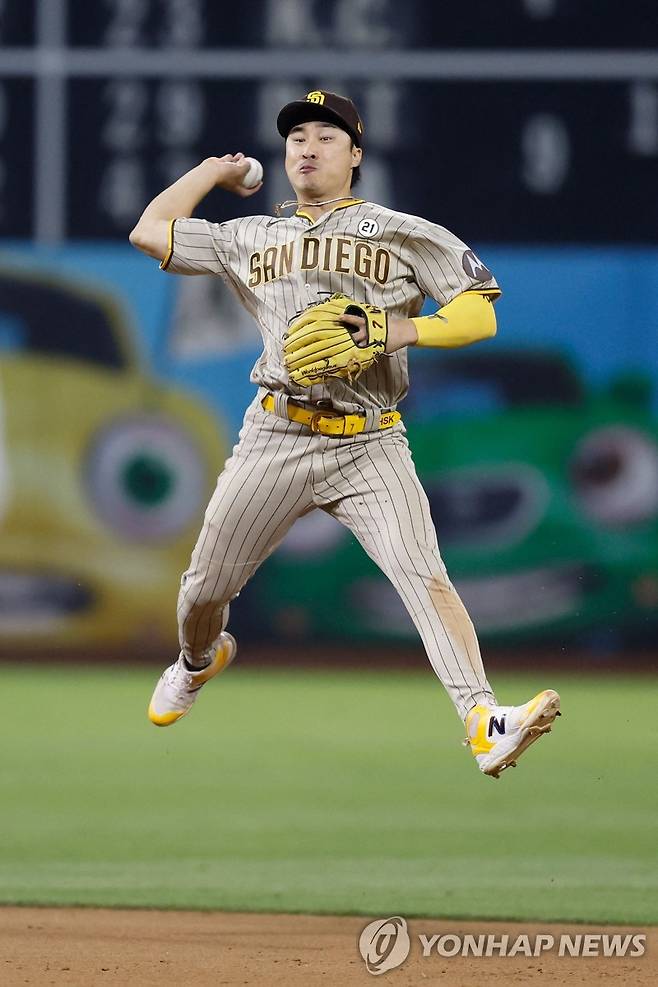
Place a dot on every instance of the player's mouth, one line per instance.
(306, 168)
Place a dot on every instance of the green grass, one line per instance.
(337, 793)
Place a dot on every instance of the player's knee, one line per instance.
(414, 557)
(201, 589)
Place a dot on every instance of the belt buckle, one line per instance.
(317, 418)
(315, 421)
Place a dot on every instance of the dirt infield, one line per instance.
(81, 947)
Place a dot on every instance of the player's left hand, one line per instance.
(336, 338)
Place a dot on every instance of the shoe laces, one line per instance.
(178, 675)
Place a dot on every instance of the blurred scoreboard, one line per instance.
(520, 120)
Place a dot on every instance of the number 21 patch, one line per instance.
(368, 227)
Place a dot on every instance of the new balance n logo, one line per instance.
(495, 724)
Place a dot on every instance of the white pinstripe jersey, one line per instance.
(279, 266)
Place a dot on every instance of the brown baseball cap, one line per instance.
(322, 105)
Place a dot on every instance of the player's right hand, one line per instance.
(231, 169)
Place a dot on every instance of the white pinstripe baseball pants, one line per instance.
(279, 471)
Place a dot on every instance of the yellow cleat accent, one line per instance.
(178, 687)
(499, 735)
(164, 719)
(477, 738)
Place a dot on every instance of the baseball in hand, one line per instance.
(254, 175)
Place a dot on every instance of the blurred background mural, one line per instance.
(528, 127)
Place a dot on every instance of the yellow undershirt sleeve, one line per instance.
(468, 318)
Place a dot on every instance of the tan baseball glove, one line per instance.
(320, 345)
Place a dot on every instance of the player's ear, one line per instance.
(357, 154)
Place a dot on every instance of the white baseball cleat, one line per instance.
(178, 687)
(498, 735)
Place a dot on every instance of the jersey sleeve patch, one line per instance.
(474, 267)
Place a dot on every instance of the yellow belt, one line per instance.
(329, 423)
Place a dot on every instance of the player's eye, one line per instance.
(145, 478)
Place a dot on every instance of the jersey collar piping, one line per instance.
(341, 205)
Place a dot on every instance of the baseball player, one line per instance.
(336, 289)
